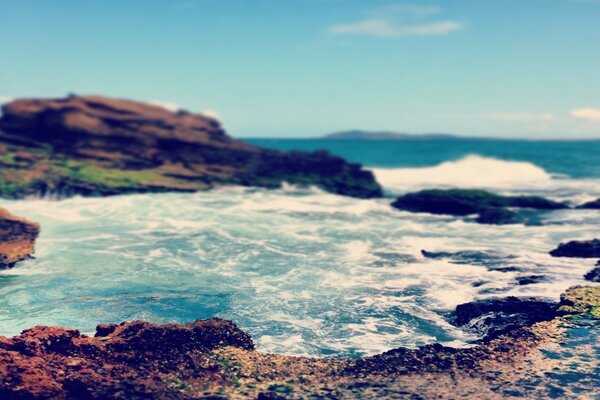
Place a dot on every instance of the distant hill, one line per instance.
(367, 135)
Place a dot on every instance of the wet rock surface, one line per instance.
(61, 363)
(490, 208)
(17, 239)
(491, 317)
(92, 145)
(578, 249)
(213, 359)
(593, 275)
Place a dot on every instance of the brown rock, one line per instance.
(92, 145)
(17, 238)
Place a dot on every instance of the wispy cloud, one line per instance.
(586, 114)
(520, 117)
(398, 20)
(386, 29)
(5, 99)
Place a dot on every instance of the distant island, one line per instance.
(387, 135)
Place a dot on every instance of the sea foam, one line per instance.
(303, 271)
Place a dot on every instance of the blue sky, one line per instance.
(295, 68)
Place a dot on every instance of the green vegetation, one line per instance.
(112, 178)
(581, 301)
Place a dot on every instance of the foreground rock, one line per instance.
(490, 208)
(17, 239)
(578, 249)
(213, 359)
(91, 145)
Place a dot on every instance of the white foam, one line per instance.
(470, 171)
(303, 271)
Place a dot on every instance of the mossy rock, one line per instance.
(581, 301)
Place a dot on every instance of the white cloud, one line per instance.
(520, 117)
(166, 105)
(586, 114)
(5, 99)
(386, 29)
(212, 114)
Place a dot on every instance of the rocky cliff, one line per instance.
(92, 145)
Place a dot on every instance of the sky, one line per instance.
(303, 68)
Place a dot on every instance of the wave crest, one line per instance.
(470, 171)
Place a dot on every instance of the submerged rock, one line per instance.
(491, 208)
(531, 279)
(497, 216)
(17, 239)
(492, 317)
(578, 249)
(92, 145)
(492, 261)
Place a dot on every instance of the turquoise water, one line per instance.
(576, 159)
(305, 272)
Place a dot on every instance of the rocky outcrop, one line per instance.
(592, 205)
(490, 208)
(131, 362)
(17, 239)
(92, 145)
(213, 359)
(490, 318)
(578, 249)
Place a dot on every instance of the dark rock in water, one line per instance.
(531, 279)
(592, 205)
(490, 260)
(92, 145)
(461, 255)
(593, 275)
(492, 208)
(578, 249)
(492, 317)
(506, 269)
(498, 216)
(17, 239)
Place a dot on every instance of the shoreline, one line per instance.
(213, 359)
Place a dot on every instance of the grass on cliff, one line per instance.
(113, 178)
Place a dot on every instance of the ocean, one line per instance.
(303, 271)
